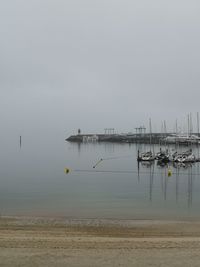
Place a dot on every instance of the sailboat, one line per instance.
(147, 156)
(185, 157)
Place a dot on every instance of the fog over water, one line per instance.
(33, 182)
(95, 64)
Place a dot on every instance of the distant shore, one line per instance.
(38, 241)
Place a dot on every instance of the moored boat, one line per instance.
(185, 157)
(146, 156)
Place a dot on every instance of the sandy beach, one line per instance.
(93, 242)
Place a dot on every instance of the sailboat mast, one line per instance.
(165, 128)
(191, 125)
(188, 119)
(198, 123)
(150, 132)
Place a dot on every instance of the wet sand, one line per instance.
(94, 242)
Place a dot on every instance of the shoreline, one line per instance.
(58, 241)
(137, 227)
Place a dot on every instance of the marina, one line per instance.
(156, 138)
(176, 137)
(164, 155)
(138, 137)
(169, 156)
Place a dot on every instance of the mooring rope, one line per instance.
(130, 172)
(111, 158)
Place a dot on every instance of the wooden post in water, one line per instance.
(20, 141)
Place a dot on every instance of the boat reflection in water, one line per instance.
(147, 164)
(175, 165)
(181, 174)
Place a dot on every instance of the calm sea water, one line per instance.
(33, 182)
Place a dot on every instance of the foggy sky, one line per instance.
(93, 64)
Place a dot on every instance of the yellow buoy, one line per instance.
(66, 170)
(169, 172)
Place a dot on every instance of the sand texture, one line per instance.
(64, 242)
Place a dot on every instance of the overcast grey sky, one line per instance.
(93, 64)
